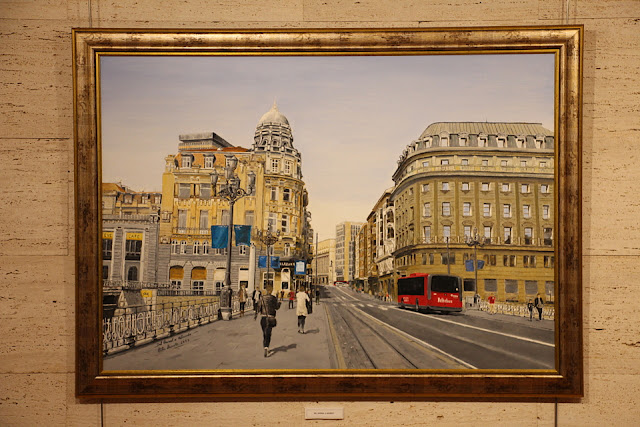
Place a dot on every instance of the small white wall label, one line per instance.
(323, 413)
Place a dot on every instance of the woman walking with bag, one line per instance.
(302, 299)
(267, 306)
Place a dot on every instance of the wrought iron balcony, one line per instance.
(135, 285)
(192, 231)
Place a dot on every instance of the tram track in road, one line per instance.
(367, 346)
(364, 342)
(469, 341)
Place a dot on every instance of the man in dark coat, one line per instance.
(539, 303)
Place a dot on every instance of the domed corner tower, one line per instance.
(284, 194)
(273, 137)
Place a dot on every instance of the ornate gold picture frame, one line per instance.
(565, 381)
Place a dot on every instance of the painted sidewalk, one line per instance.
(237, 344)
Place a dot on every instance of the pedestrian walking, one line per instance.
(242, 299)
(281, 295)
(530, 307)
(317, 295)
(539, 303)
(255, 297)
(492, 304)
(309, 303)
(267, 306)
(302, 308)
(292, 295)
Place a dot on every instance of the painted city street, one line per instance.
(352, 330)
(421, 208)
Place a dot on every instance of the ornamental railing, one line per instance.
(192, 231)
(135, 285)
(517, 309)
(134, 326)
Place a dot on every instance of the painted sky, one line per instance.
(351, 117)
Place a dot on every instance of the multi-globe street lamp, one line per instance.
(268, 238)
(231, 192)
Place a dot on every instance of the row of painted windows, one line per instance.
(276, 166)
(485, 162)
(507, 235)
(526, 261)
(286, 194)
(202, 191)
(505, 187)
(132, 273)
(181, 247)
(486, 210)
(144, 199)
(203, 222)
(482, 141)
(133, 249)
(512, 287)
(285, 222)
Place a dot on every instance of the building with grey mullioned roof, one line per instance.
(496, 179)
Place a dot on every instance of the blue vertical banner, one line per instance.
(468, 265)
(243, 235)
(301, 267)
(275, 262)
(262, 261)
(219, 236)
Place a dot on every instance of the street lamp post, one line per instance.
(475, 241)
(268, 239)
(448, 257)
(231, 192)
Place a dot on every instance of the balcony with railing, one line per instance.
(192, 231)
(497, 169)
(521, 241)
(133, 285)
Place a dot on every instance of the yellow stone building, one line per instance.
(285, 198)
(380, 273)
(326, 259)
(493, 178)
(191, 205)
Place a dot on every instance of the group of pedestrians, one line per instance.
(538, 303)
(267, 305)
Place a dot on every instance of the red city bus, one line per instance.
(432, 292)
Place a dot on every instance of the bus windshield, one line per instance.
(445, 284)
(411, 286)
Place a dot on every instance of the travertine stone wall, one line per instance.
(37, 226)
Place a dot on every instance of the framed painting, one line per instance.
(357, 214)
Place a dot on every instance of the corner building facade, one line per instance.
(285, 199)
(191, 205)
(493, 178)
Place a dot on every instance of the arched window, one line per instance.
(132, 274)
(198, 277)
(176, 274)
(218, 279)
